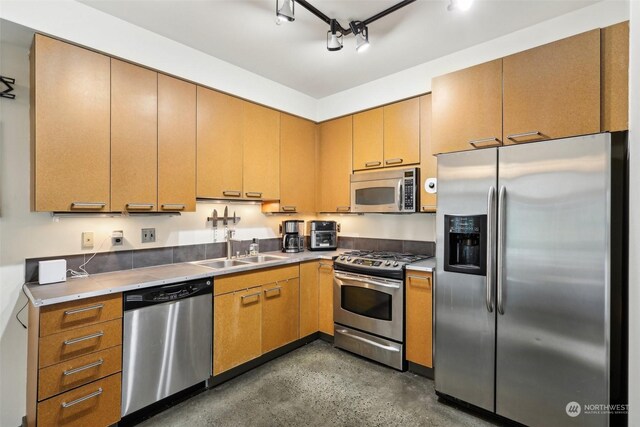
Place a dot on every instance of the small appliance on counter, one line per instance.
(323, 235)
(292, 236)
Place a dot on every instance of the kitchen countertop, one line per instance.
(127, 280)
(424, 265)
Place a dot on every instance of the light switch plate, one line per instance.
(148, 235)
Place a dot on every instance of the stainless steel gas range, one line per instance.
(368, 297)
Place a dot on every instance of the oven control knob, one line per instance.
(342, 258)
(349, 258)
(387, 263)
(395, 263)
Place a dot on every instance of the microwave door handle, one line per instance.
(400, 196)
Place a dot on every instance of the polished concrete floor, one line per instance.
(318, 385)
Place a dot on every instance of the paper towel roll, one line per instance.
(431, 185)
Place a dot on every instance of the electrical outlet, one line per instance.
(148, 235)
(117, 238)
(87, 239)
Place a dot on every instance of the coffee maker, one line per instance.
(292, 236)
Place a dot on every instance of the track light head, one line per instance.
(334, 37)
(461, 5)
(286, 11)
(362, 35)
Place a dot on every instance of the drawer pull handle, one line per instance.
(253, 194)
(515, 136)
(140, 206)
(85, 338)
(327, 266)
(83, 309)
(88, 205)
(396, 161)
(420, 279)
(255, 294)
(98, 392)
(343, 208)
(372, 164)
(485, 142)
(83, 368)
(173, 206)
(277, 288)
(232, 193)
(289, 208)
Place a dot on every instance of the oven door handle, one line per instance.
(364, 340)
(370, 281)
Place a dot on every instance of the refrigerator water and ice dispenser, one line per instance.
(465, 244)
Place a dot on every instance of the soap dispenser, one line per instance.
(253, 247)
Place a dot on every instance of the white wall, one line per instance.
(634, 217)
(81, 24)
(417, 80)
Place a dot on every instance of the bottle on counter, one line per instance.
(254, 248)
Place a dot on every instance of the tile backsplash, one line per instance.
(105, 262)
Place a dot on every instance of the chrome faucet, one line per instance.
(230, 234)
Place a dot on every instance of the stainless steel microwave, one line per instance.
(387, 191)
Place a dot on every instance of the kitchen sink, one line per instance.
(222, 263)
(262, 258)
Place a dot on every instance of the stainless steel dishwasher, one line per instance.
(166, 341)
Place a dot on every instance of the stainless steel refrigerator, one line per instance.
(530, 279)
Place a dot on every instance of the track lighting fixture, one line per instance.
(286, 11)
(334, 37)
(462, 5)
(360, 29)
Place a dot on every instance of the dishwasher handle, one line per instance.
(167, 294)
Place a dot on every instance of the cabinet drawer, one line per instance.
(74, 314)
(236, 282)
(96, 404)
(79, 342)
(79, 371)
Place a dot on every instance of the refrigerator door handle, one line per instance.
(501, 220)
(491, 196)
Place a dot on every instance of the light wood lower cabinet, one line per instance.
(237, 328)
(70, 119)
(325, 297)
(309, 277)
(74, 360)
(419, 318)
(280, 313)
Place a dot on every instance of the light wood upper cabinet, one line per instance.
(615, 77)
(553, 91)
(419, 314)
(70, 119)
(402, 133)
(368, 138)
(219, 135)
(334, 165)
(261, 152)
(297, 164)
(309, 276)
(325, 297)
(280, 313)
(467, 108)
(176, 145)
(134, 138)
(237, 328)
(428, 162)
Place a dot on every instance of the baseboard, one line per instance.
(418, 369)
(258, 361)
(325, 337)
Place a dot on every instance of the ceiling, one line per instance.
(244, 33)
